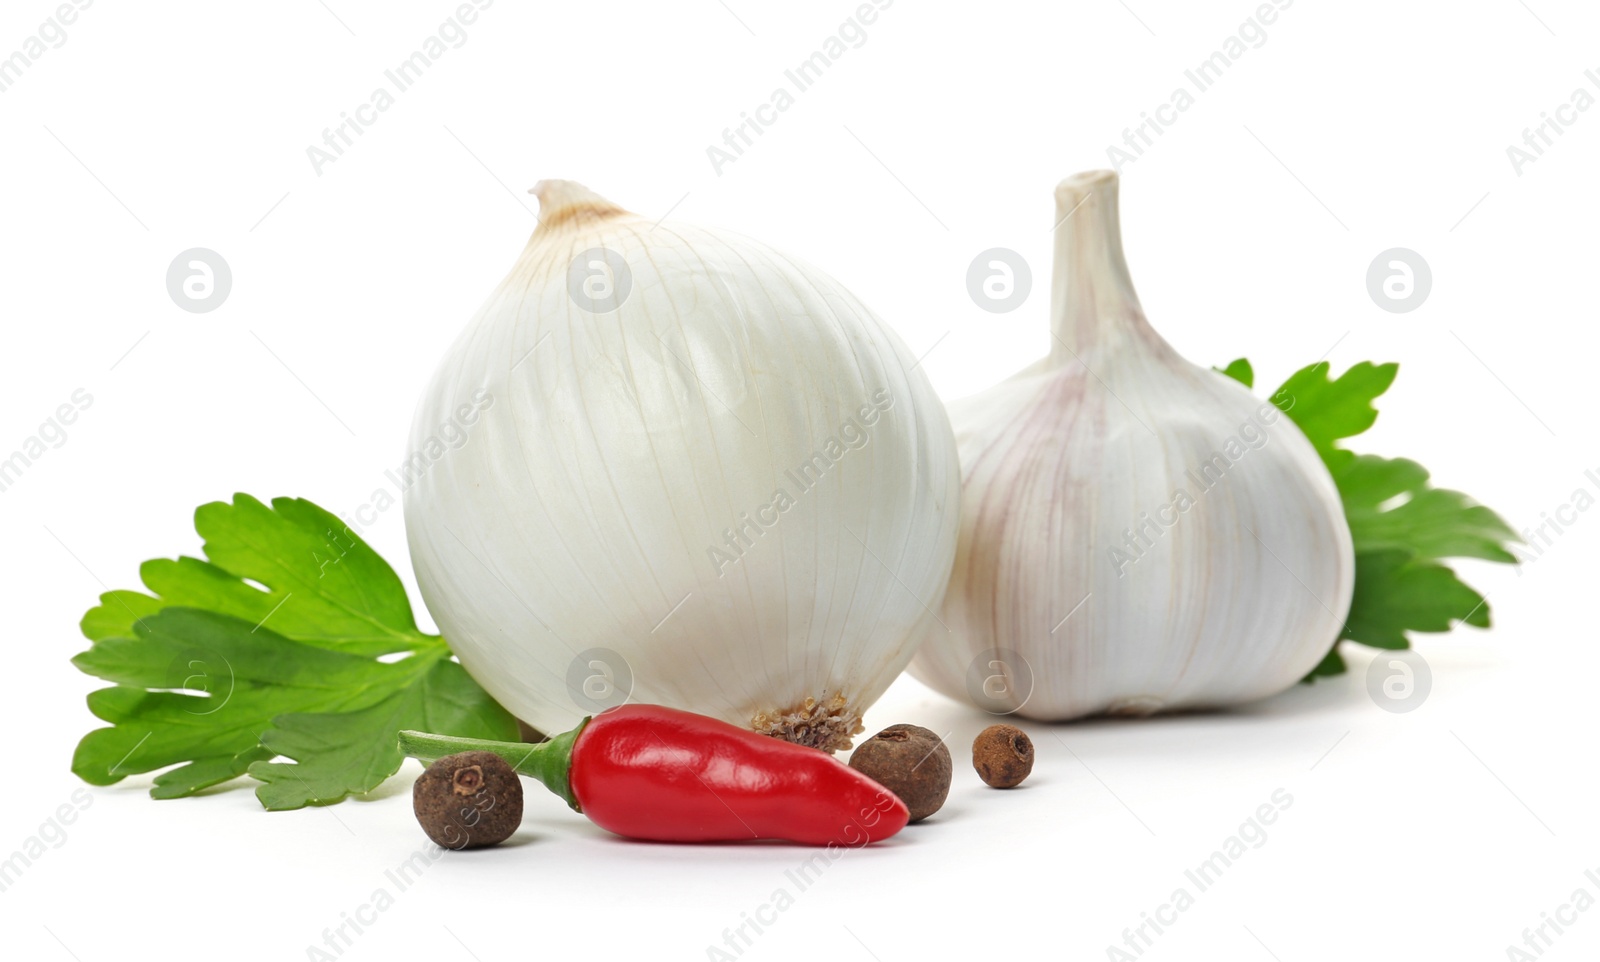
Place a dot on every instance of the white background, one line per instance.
(1356, 127)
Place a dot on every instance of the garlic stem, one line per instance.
(1093, 307)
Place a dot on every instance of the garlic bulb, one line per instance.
(1138, 533)
(703, 476)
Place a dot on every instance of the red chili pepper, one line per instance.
(666, 775)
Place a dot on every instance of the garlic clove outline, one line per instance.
(1138, 533)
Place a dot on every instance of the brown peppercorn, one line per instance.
(1003, 756)
(912, 762)
(468, 800)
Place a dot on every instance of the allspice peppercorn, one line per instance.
(912, 762)
(468, 800)
(1003, 756)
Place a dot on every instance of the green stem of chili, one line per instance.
(549, 761)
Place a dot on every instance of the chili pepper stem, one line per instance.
(549, 761)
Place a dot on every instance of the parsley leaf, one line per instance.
(1331, 664)
(201, 681)
(1396, 592)
(1401, 526)
(1390, 506)
(349, 753)
(1240, 370)
(1328, 409)
(345, 596)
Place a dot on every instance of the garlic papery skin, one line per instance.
(1138, 533)
(709, 478)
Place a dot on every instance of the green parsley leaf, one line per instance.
(200, 686)
(1400, 525)
(1240, 370)
(202, 682)
(1390, 506)
(1329, 410)
(1396, 593)
(344, 595)
(1331, 664)
(349, 753)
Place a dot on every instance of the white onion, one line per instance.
(654, 387)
